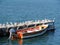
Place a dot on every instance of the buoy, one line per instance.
(20, 35)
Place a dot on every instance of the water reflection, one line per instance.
(40, 40)
(15, 42)
(20, 42)
(9, 42)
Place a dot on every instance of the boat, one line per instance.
(32, 31)
(4, 28)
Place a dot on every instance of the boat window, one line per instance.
(45, 23)
(38, 24)
(31, 25)
(24, 26)
(21, 27)
(42, 27)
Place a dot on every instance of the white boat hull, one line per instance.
(35, 34)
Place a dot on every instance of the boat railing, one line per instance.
(25, 23)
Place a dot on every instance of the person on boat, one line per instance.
(11, 31)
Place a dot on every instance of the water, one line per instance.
(24, 10)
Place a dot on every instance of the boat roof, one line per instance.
(8, 25)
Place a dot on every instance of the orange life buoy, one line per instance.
(20, 35)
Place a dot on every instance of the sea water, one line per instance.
(24, 10)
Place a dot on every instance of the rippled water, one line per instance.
(45, 39)
(24, 10)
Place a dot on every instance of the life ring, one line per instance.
(20, 35)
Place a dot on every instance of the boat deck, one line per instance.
(9, 25)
